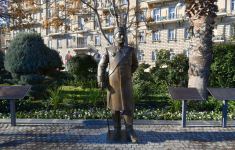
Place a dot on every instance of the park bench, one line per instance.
(186, 94)
(13, 93)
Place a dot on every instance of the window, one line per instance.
(97, 40)
(81, 23)
(82, 42)
(157, 14)
(142, 15)
(69, 42)
(186, 33)
(96, 23)
(233, 5)
(141, 36)
(59, 43)
(49, 30)
(154, 55)
(123, 17)
(110, 37)
(171, 13)
(171, 35)
(34, 16)
(109, 21)
(140, 55)
(124, 2)
(49, 43)
(156, 35)
(186, 52)
(49, 13)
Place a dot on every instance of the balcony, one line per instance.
(158, 1)
(221, 12)
(81, 29)
(108, 26)
(166, 19)
(105, 8)
(218, 39)
(111, 27)
(81, 48)
(56, 33)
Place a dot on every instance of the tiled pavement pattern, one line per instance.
(91, 135)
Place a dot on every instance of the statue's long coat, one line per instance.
(122, 63)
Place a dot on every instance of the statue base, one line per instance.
(123, 138)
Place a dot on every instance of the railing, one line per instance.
(157, 1)
(218, 38)
(82, 45)
(221, 12)
(166, 18)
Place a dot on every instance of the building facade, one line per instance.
(160, 24)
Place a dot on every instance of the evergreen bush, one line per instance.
(29, 60)
(223, 66)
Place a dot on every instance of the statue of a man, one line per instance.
(122, 62)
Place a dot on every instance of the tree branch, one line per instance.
(127, 12)
(99, 20)
(115, 12)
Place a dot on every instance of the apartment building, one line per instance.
(161, 25)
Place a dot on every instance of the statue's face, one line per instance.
(119, 38)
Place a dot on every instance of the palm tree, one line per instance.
(202, 14)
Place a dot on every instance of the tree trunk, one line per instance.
(200, 56)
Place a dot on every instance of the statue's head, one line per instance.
(119, 35)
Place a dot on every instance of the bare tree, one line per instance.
(119, 10)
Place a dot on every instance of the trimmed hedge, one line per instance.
(29, 60)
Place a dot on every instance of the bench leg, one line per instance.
(184, 109)
(13, 112)
(224, 113)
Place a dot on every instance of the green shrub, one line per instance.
(178, 71)
(223, 66)
(29, 60)
(83, 67)
(143, 83)
(27, 54)
(56, 98)
(171, 72)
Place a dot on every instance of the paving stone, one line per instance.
(92, 136)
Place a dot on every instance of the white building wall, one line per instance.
(223, 27)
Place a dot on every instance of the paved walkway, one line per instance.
(91, 135)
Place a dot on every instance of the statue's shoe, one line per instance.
(132, 135)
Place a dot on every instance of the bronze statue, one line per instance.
(122, 63)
